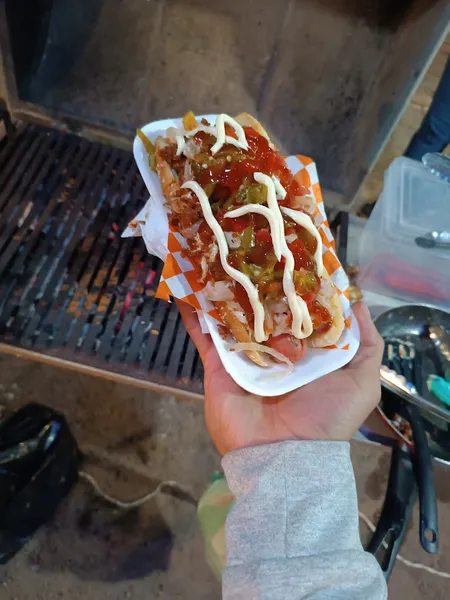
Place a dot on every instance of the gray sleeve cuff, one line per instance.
(291, 496)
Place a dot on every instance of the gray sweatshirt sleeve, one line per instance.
(293, 532)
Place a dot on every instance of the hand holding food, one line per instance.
(330, 408)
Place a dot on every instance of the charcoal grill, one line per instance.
(72, 291)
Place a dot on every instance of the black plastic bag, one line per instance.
(39, 460)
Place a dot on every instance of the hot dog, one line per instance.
(251, 239)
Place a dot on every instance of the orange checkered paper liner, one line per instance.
(178, 278)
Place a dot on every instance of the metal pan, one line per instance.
(428, 436)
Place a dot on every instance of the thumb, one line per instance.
(371, 347)
(202, 342)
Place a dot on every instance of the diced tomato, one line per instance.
(297, 189)
(202, 136)
(289, 230)
(234, 259)
(259, 221)
(307, 238)
(221, 193)
(302, 257)
(230, 131)
(236, 225)
(293, 189)
(241, 297)
(251, 133)
(263, 236)
(321, 318)
(258, 255)
(296, 246)
(289, 346)
(309, 298)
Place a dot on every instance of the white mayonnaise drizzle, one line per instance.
(305, 221)
(241, 142)
(281, 192)
(218, 131)
(265, 212)
(302, 326)
(252, 292)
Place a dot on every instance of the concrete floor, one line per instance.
(133, 439)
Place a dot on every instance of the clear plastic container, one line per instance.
(405, 246)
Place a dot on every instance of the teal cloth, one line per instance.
(440, 388)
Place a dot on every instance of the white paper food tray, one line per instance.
(272, 381)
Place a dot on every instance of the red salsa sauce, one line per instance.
(224, 174)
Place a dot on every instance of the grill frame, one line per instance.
(73, 293)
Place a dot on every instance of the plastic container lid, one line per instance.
(405, 246)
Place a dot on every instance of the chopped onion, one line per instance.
(191, 149)
(327, 289)
(187, 171)
(305, 202)
(189, 232)
(219, 291)
(278, 307)
(291, 238)
(269, 320)
(253, 346)
(240, 316)
(172, 133)
(233, 239)
(237, 311)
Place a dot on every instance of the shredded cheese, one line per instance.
(252, 292)
(305, 221)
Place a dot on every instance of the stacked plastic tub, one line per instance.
(405, 246)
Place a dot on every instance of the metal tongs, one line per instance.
(398, 384)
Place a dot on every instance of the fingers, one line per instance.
(371, 347)
(202, 342)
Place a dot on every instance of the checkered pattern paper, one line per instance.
(179, 280)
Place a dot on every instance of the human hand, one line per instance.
(330, 408)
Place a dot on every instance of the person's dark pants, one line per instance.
(434, 133)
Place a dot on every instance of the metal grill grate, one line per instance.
(70, 288)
